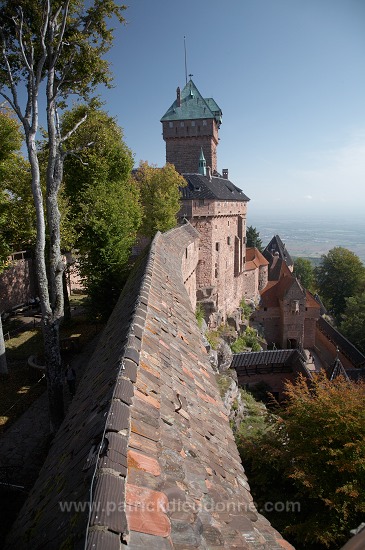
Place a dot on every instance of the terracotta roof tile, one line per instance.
(173, 429)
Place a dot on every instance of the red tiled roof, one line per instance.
(146, 444)
(254, 259)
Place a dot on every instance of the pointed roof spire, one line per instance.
(202, 164)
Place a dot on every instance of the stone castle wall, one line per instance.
(17, 284)
(184, 141)
(146, 444)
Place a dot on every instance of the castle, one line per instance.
(227, 270)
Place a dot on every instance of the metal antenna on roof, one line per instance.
(186, 68)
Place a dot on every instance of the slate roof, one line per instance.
(193, 106)
(276, 246)
(214, 188)
(344, 345)
(337, 370)
(353, 375)
(269, 362)
(146, 449)
(269, 357)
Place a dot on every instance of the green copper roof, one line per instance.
(193, 106)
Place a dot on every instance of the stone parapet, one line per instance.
(146, 457)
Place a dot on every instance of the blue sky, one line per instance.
(289, 76)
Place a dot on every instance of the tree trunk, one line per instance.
(51, 312)
(3, 364)
(66, 300)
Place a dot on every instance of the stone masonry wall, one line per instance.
(218, 225)
(17, 284)
(276, 381)
(184, 140)
(146, 445)
(327, 351)
(189, 265)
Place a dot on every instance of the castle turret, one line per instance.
(202, 164)
(190, 125)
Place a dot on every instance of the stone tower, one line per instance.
(190, 126)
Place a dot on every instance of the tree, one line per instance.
(353, 324)
(160, 196)
(314, 454)
(339, 276)
(253, 238)
(15, 204)
(104, 204)
(55, 47)
(303, 270)
(16, 208)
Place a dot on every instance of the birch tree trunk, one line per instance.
(34, 51)
(51, 309)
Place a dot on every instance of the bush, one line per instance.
(199, 314)
(247, 341)
(314, 454)
(246, 310)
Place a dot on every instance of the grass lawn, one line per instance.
(20, 388)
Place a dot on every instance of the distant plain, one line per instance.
(313, 238)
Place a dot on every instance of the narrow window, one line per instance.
(217, 247)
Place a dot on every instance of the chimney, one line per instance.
(225, 173)
(178, 97)
(209, 170)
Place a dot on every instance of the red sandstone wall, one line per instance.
(276, 381)
(271, 321)
(184, 142)
(188, 268)
(17, 284)
(327, 351)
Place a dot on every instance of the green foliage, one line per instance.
(247, 341)
(246, 310)
(261, 392)
(160, 196)
(224, 381)
(314, 454)
(16, 202)
(199, 314)
(112, 216)
(253, 238)
(256, 421)
(304, 271)
(10, 136)
(87, 38)
(340, 276)
(353, 324)
(101, 152)
(104, 207)
(213, 337)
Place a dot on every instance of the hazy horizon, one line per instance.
(312, 237)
